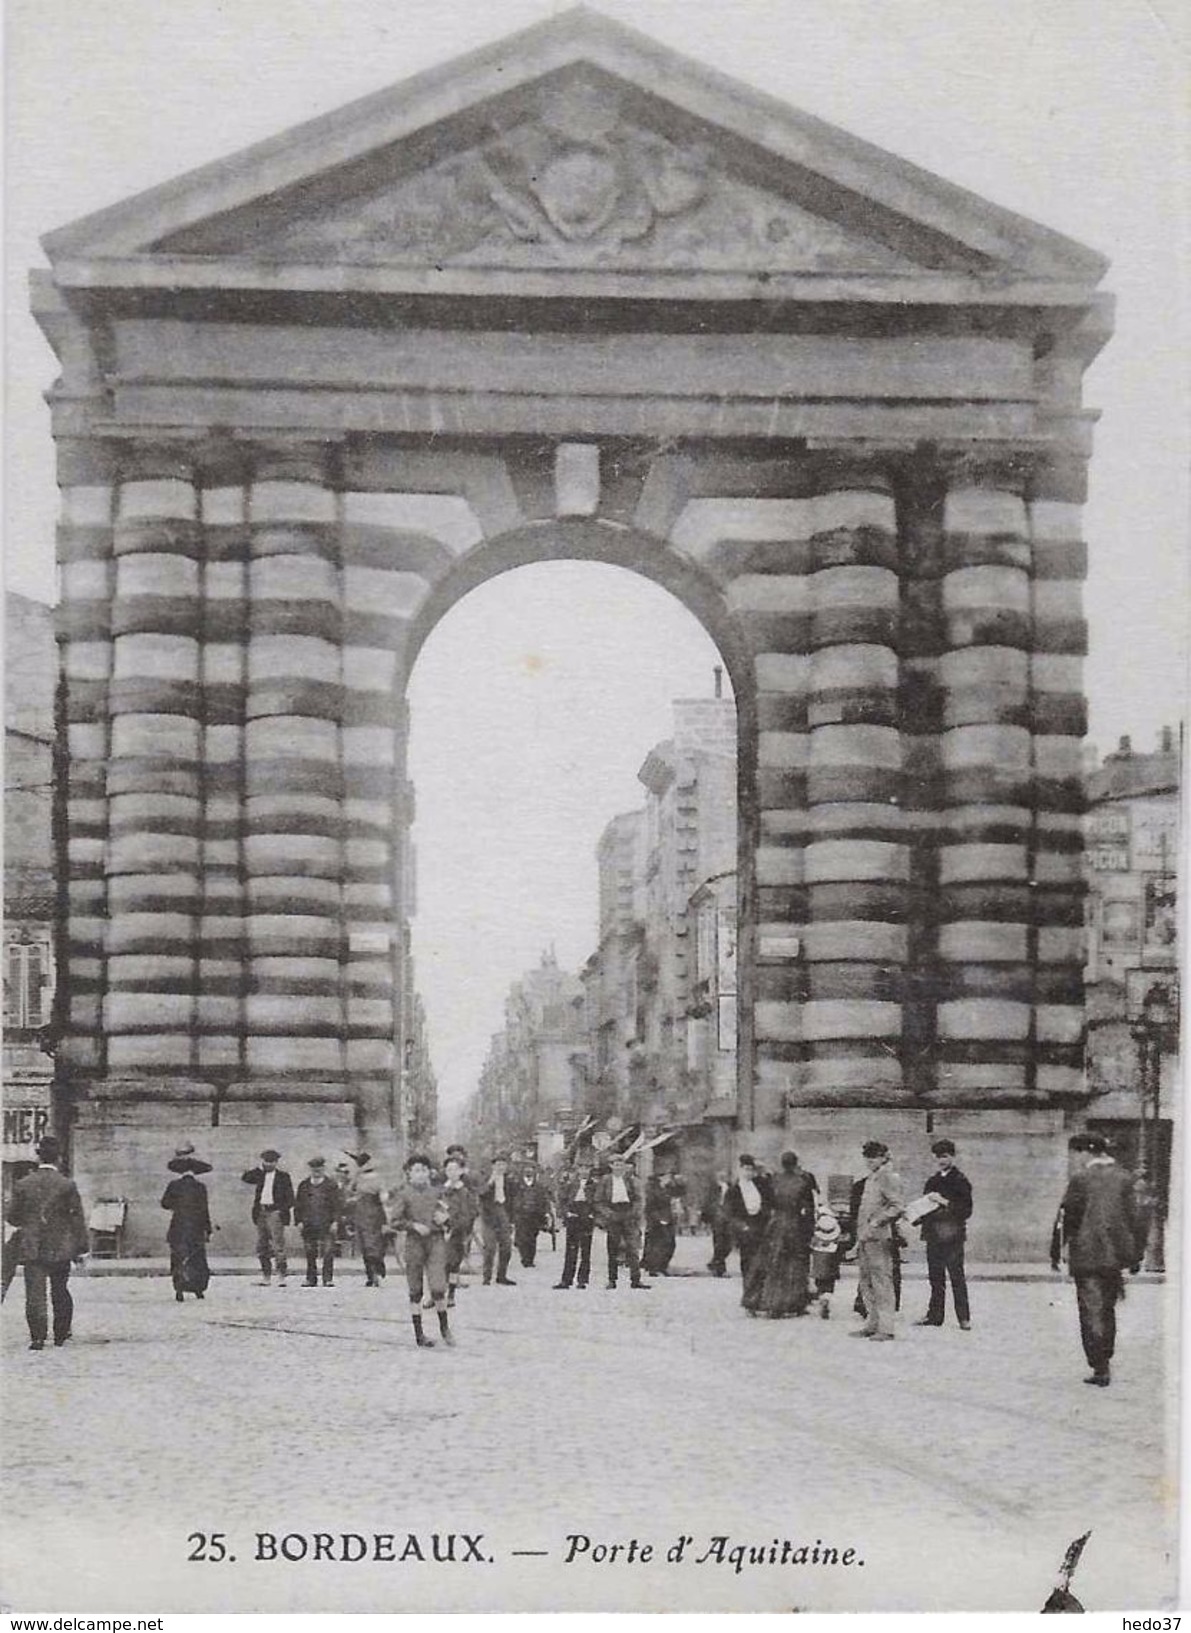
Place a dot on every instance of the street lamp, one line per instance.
(1156, 1032)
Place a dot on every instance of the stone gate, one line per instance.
(572, 296)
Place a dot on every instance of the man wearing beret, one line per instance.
(317, 1209)
(272, 1208)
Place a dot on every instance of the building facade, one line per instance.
(30, 879)
(1132, 859)
(419, 1084)
(534, 1071)
(612, 1011)
(690, 851)
(313, 394)
(660, 990)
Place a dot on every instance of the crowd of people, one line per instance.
(789, 1240)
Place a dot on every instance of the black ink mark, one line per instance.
(1061, 1600)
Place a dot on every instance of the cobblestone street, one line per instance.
(957, 1466)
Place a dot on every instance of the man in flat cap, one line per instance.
(272, 1208)
(944, 1232)
(318, 1207)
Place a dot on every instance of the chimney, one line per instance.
(1125, 746)
(1167, 740)
(719, 681)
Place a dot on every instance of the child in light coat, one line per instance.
(825, 1246)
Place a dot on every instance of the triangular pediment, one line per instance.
(578, 144)
(575, 180)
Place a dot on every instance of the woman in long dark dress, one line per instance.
(660, 1238)
(190, 1226)
(778, 1282)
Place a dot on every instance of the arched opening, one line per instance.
(576, 891)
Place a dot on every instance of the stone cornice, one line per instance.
(179, 274)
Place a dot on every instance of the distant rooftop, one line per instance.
(1128, 772)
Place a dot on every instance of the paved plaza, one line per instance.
(957, 1467)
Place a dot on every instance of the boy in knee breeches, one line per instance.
(462, 1207)
(422, 1212)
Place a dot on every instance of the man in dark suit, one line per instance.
(531, 1213)
(318, 1207)
(272, 1208)
(1100, 1232)
(616, 1204)
(576, 1197)
(715, 1214)
(47, 1210)
(944, 1232)
(496, 1221)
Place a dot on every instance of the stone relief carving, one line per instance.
(577, 184)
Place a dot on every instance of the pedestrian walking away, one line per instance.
(778, 1282)
(421, 1211)
(616, 1203)
(944, 1231)
(1099, 1231)
(747, 1204)
(272, 1210)
(47, 1210)
(462, 1208)
(189, 1231)
(882, 1202)
(318, 1208)
(577, 1201)
(496, 1221)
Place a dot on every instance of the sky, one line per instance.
(1067, 112)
